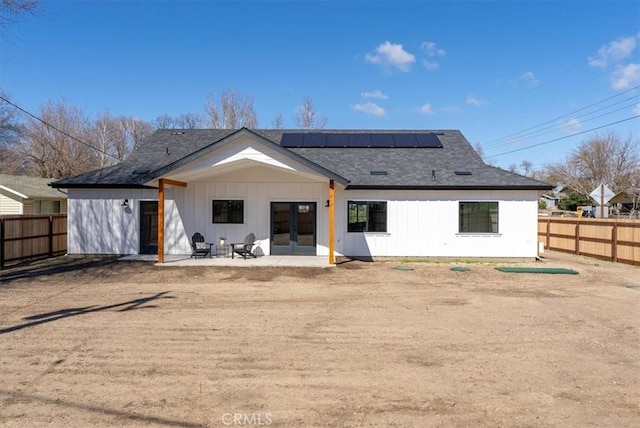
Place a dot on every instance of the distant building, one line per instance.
(20, 194)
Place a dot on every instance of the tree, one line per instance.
(57, 148)
(278, 121)
(480, 150)
(10, 132)
(306, 116)
(11, 10)
(604, 158)
(232, 110)
(116, 137)
(182, 121)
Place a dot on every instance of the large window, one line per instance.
(478, 217)
(228, 211)
(367, 216)
(47, 207)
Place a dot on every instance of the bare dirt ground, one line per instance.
(107, 343)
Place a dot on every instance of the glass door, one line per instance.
(293, 228)
(148, 227)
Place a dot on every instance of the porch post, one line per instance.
(161, 220)
(332, 217)
(161, 184)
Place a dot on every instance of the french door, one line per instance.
(293, 228)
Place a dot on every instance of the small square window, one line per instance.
(228, 211)
(478, 217)
(365, 216)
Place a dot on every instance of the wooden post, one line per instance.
(1, 244)
(548, 233)
(577, 245)
(332, 218)
(602, 200)
(161, 220)
(50, 241)
(614, 242)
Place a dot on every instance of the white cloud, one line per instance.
(473, 101)
(426, 109)
(450, 109)
(529, 77)
(613, 52)
(636, 110)
(432, 51)
(378, 94)
(572, 126)
(625, 76)
(391, 55)
(430, 65)
(370, 108)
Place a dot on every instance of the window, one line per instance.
(367, 216)
(47, 207)
(228, 211)
(478, 217)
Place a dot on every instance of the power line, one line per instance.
(565, 137)
(498, 140)
(56, 128)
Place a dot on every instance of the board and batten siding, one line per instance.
(419, 223)
(99, 224)
(425, 224)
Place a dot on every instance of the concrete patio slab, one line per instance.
(187, 260)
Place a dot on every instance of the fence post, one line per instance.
(50, 236)
(577, 245)
(548, 233)
(1, 243)
(614, 242)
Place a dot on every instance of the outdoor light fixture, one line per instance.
(125, 203)
(327, 205)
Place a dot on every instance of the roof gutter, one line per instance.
(449, 187)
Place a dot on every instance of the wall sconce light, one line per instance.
(327, 204)
(125, 203)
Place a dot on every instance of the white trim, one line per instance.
(14, 192)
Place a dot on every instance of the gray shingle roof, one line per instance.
(32, 187)
(405, 167)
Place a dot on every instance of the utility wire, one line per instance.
(492, 142)
(55, 128)
(565, 137)
(554, 127)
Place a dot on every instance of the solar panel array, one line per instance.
(377, 140)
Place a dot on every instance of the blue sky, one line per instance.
(508, 74)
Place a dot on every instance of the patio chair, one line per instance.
(244, 248)
(199, 247)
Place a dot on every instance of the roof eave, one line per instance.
(448, 187)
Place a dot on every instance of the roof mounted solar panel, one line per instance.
(463, 172)
(292, 140)
(382, 140)
(429, 141)
(337, 140)
(359, 140)
(315, 139)
(405, 140)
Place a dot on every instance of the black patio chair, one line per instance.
(244, 248)
(199, 247)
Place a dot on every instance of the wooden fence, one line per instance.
(616, 240)
(32, 236)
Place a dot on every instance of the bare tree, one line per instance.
(137, 130)
(278, 121)
(116, 137)
(11, 10)
(182, 121)
(57, 148)
(480, 150)
(306, 116)
(232, 110)
(10, 132)
(605, 158)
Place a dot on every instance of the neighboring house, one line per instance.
(20, 194)
(320, 192)
(550, 201)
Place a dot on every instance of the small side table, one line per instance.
(222, 250)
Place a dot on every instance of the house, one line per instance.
(318, 192)
(551, 202)
(20, 194)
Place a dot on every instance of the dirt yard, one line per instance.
(108, 343)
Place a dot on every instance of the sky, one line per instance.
(527, 80)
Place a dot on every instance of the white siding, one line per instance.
(425, 223)
(10, 206)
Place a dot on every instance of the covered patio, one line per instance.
(265, 261)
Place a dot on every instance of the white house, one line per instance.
(320, 192)
(20, 194)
